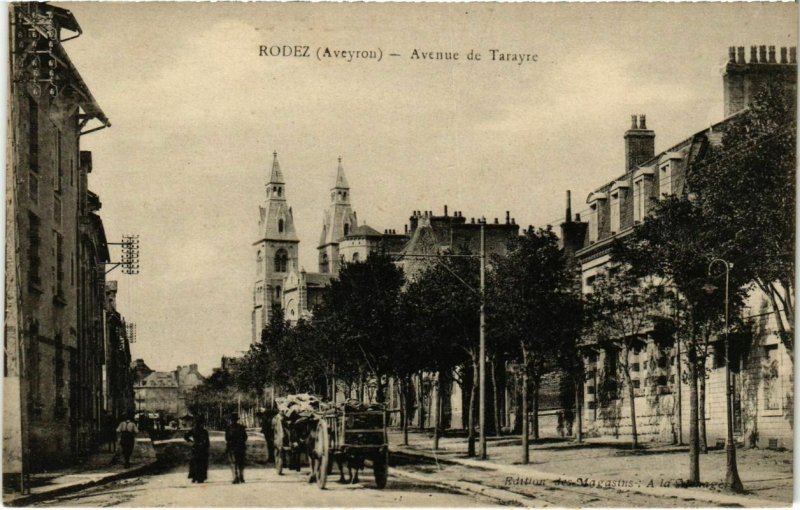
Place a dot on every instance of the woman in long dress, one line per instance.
(198, 465)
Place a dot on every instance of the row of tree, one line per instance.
(375, 324)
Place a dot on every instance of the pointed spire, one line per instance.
(276, 177)
(341, 180)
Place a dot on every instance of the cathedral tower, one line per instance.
(275, 250)
(338, 221)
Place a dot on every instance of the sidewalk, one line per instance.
(97, 469)
(652, 470)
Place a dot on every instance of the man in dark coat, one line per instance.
(236, 443)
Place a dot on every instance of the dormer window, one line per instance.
(667, 167)
(642, 191)
(596, 203)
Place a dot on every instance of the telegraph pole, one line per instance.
(482, 351)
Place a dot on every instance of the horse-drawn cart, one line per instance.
(351, 436)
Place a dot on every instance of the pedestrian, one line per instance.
(198, 464)
(127, 430)
(266, 429)
(236, 446)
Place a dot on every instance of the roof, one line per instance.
(276, 176)
(363, 231)
(318, 279)
(160, 380)
(341, 180)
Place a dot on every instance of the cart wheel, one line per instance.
(280, 459)
(380, 466)
(322, 450)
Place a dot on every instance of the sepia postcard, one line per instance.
(400, 254)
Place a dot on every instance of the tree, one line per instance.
(360, 316)
(534, 309)
(619, 312)
(748, 186)
(442, 306)
(676, 242)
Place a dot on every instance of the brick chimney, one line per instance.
(640, 143)
(741, 80)
(573, 233)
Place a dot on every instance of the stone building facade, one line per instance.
(763, 394)
(166, 392)
(55, 251)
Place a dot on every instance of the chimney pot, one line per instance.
(508, 216)
(753, 54)
(740, 52)
(472, 220)
(772, 55)
(578, 217)
(762, 54)
(633, 122)
(445, 210)
(793, 55)
(496, 222)
(783, 54)
(731, 54)
(642, 122)
(513, 221)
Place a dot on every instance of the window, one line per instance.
(259, 260)
(665, 179)
(34, 262)
(346, 228)
(281, 261)
(58, 171)
(323, 263)
(280, 191)
(33, 188)
(280, 225)
(593, 222)
(59, 268)
(615, 206)
(33, 135)
(277, 293)
(355, 257)
(57, 209)
(771, 377)
(638, 201)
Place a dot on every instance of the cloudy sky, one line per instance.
(197, 113)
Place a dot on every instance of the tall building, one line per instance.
(337, 223)
(54, 245)
(762, 380)
(275, 250)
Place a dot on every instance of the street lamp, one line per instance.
(732, 474)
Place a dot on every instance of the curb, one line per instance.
(60, 491)
(684, 494)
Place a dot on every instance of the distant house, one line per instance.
(166, 392)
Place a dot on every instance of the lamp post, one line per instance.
(732, 473)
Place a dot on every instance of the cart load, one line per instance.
(292, 427)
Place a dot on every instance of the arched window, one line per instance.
(281, 260)
(323, 263)
(355, 257)
(280, 225)
(259, 259)
(277, 293)
(346, 228)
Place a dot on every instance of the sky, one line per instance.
(196, 114)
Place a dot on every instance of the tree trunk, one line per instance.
(471, 415)
(578, 411)
(535, 410)
(404, 383)
(694, 432)
(701, 409)
(524, 413)
(438, 418)
(495, 400)
(420, 403)
(632, 399)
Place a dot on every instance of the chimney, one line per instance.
(732, 54)
(740, 53)
(640, 143)
(568, 215)
(445, 210)
(508, 217)
(741, 82)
